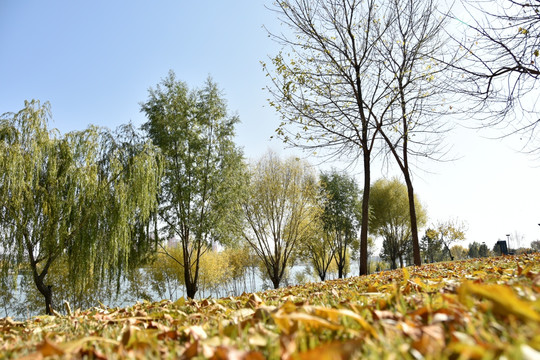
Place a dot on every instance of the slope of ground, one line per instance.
(476, 309)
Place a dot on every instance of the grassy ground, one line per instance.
(476, 309)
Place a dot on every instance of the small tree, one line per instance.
(391, 220)
(474, 250)
(341, 216)
(318, 249)
(431, 247)
(279, 211)
(458, 252)
(447, 233)
(79, 196)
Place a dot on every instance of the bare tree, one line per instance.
(354, 70)
(409, 52)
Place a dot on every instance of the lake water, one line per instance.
(252, 283)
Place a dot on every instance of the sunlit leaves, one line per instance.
(476, 309)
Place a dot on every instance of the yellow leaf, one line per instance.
(406, 276)
(180, 302)
(503, 298)
(49, 348)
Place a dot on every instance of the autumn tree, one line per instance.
(165, 272)
(341, 216)
(447, 233)
(317, 248)
(203, 173)
(326, 83)
(75, 197)
(279, 211)
(391, 220)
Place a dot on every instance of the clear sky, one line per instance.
(94, 62)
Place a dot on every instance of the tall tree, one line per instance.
(78, 196)
(203, 174)
(391, 220)
(327, 83)
(409, 50)
(341, 215)
(279, 211)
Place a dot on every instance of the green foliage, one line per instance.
(204, 170)
(431, 247)
(390, 219)
(279, 211)
(477, 250)
(73, 197)
(341, 216)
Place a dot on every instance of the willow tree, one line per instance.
(78, 196)
(279, 210)
(391, 220)
(203, 169)
(327, 82)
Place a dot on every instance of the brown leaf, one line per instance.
(49, 348)
(333, 351)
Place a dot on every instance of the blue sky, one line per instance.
(94, 61)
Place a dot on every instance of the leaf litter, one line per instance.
(474, 309)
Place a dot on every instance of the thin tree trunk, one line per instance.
(365, 215)
(414, 226)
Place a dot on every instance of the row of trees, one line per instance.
(95, 203)
(101, 202)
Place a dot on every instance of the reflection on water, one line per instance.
(16, 305)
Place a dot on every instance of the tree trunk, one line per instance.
(46, 291)
(274, 277)
(365, 215)
(191, 288)
(340, 270)
(414, 226)
(191, 284)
